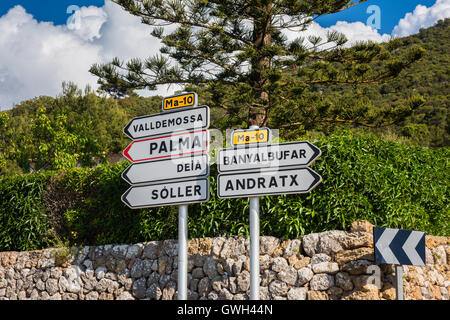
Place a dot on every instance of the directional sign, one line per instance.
(169, 193)
(397, 246)
(250, 136)
(290, 154)
(167, 169)
(184, 100)
(169, 122)
(184, 143)
(285, 181)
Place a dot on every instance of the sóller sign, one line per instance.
(169, 193)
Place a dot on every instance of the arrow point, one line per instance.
(125, 174)
(125, 152)
(316, 176)
(317, 151)
(383, 246)
(126, 131)
(124, 198)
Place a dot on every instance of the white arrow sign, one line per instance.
(167, 169)
(163, 123)
(285, 181)
(169, 193)
(398, 246)
(301, 153)
(185, 143)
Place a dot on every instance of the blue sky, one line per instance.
(391, 11)
(48, 10)
(48, 44)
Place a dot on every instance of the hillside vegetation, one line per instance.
(424, 86)
(79, 126)
(387, 183)
(392, 174)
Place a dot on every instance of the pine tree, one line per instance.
(237, 50)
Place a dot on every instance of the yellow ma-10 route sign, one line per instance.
(250, 136)
(184, 100)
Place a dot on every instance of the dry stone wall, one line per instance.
(329, 265)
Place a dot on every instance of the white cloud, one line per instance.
(354, 31)
(87, 21)
(422, 17)
(36, 57)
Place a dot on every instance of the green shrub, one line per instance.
(387, 183)
(22, 217)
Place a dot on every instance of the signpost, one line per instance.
(255, 168)
(179, 144)
(167, 169)
(291, 154)
(168, 193)
(184, 100)
(171, 122)
(254, 135)
(170, 164)
(399, 247)
(262, 183)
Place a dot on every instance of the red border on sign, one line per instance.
(126, 154)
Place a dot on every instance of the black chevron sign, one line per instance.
(397, 246)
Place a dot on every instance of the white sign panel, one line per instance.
(181, 144)
(163, 123)
(252, 184)
(167, 169)
(290, 154)
(398, 246)
(169, 193)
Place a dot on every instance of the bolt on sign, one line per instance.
(251, 136)
(184, 100)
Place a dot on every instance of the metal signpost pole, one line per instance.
(254, 244)
(160, 166)
(240, 176)
(399, 282)
(254, 248)
(182, 251)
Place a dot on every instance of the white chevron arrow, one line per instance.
(383, 245)
(410, 248)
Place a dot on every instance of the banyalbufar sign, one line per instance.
(291, 154)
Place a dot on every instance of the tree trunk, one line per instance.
(259, 110)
